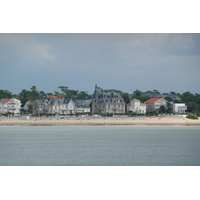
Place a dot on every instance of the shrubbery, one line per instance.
(192, 116)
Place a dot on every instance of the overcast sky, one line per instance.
(166, 62)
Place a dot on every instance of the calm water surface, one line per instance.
(100, 146)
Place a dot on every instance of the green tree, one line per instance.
(34, 94)
(30, 108)
(49, 94)
(137, 93)
(58, 93)
(168, 99)
(5, 94)
(162, 109)
(24, 96)
(126, 98)
(156, 91)
(83, 95)
(43, 95)
(169, 108)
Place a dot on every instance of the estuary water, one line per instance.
(100, 145)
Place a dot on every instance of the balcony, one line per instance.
(12, 107)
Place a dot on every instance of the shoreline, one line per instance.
(36, 121)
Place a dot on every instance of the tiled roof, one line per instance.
(5, 99)
(53, 97)
(60, 101)
(56, 97)
(3, 102)
(152, 100)
(142, 103)
(11, 103)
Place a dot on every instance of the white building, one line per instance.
(82, 106)
(136, 106)
(10, 105)
(53, 105)
(3, 107)
(179, 107)
(155, 104)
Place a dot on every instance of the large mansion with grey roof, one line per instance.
(107, 102)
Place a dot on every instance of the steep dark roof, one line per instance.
(83, 103)
(40, 101)
(109, 95)
(60, 101)
(96, 92)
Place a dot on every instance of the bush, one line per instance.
(192, 116)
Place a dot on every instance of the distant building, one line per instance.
(136, 106)
(11, 105)
(179, 107)
(82, 106)
(62, 106)
(155, 104)
(28, 103)
(41, 106)
(107, 102)
(53, 105)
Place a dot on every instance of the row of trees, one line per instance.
(139, 92)
(191, 100)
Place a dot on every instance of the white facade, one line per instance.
(136, 106)
(82, 106)
(3, 107)
(67, 108)
(179, 107)
(10, 105)
(155, 104)
(82, 110)
(54, 106)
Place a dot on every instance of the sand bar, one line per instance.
(99, 121)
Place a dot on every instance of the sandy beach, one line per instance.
(100, 121)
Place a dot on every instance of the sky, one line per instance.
(122, 61)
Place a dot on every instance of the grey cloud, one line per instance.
(123, 61)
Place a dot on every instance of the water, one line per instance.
(100, 146)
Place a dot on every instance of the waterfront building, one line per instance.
(136, 106)
(179, 107)
(10, 105)
(155, 104)
(107, 102)
(28, 103)
(62, 106)
(83, 106)
(53, 105)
